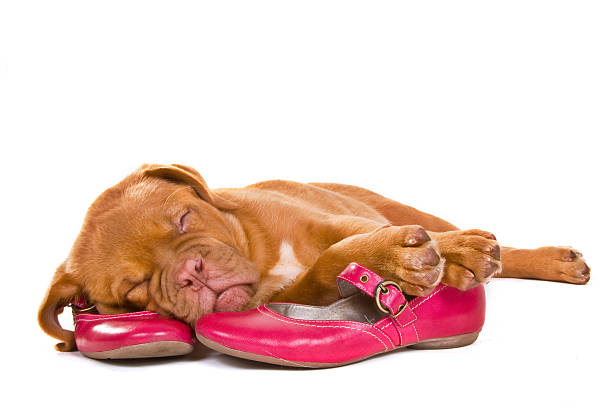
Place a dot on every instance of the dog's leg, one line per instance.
(472, 257)
(562, 264)
(404, 254)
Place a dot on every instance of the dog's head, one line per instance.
(159, 240)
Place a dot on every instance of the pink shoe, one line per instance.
(129, 335)
(358, 326)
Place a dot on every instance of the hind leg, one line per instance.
(561, 264)
(473, 257)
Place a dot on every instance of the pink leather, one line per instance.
(443, 313)
(351, 278)
(98, 333)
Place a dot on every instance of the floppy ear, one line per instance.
(62, 290)
(189, 176)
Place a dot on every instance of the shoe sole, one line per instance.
(160, 349)
(438, 343)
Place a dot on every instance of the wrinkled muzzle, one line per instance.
(207, 279)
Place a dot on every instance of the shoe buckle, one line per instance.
(382, 289)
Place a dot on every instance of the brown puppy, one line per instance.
(161, 240)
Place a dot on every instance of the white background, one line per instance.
(495, 115)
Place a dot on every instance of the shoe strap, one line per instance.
(389, 295)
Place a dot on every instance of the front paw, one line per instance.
(472, 257)
(410, 258)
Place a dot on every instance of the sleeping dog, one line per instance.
(161, 240)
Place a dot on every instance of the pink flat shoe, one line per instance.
(129, 335)
(372, 317)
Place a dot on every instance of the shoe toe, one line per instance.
(131, 335)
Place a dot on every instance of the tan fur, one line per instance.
(125, 257)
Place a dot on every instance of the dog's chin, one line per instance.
(233, 299)
(218, 281)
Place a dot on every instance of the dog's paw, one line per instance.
(411, 258)
(566, 264)
(472, 257)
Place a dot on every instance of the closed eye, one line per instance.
(183, 222)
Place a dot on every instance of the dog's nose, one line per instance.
(191, 274)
